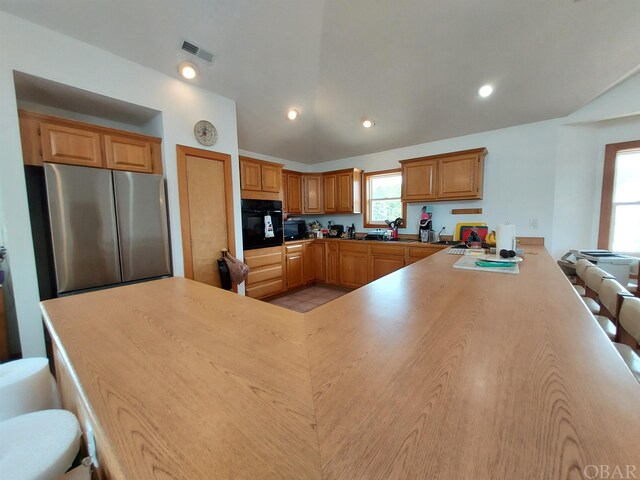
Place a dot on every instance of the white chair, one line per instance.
(581, 271)
(39, 445)
(633, 277)
(26, 386)
(629, 318)
(593, 283)
(611, 295)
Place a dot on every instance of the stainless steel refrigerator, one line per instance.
(107, 227)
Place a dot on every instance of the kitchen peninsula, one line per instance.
(429, 372)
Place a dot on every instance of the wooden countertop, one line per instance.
(429, 372)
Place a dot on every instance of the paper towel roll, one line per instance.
(505, 237)
(38, 445)
(26, 386)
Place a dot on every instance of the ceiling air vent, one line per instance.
(197, 51)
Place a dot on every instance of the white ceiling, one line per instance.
(413, 65)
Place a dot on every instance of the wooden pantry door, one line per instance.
(206, 211)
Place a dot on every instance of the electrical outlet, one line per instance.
(533, 223)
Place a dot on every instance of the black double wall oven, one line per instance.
(255, 214)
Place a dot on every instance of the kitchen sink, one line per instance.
(448, 242)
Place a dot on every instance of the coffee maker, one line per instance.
(427, 234)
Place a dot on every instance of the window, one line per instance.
(620, 209)
(382, 191)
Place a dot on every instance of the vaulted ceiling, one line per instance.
(414, 66)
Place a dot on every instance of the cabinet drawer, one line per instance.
(387, 250)
(265, 273)
(293, 248)
(422, 252)
(348, 247)
(264, 289)
(263, 257)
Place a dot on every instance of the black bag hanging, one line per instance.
(225, 276)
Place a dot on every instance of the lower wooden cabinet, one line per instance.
(294, 265)
(332, 264)
(349, 264)
(352, 261)
(308, 270)
(266, 275)
(384, 260)
(319, 262)
(418, 253)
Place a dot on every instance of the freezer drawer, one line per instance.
(142, 225)
(83, 226)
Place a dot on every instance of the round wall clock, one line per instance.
(205, 133)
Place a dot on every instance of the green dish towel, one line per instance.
(480, 263)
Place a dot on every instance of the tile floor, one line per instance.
(309, 298)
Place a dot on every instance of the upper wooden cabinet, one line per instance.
(285, 202)
(312, 193)
(72, 146)
(329, 190)
(293, 189)
(124, 153)
(451, 176)
(58, 140)
(271, 177)
(419, 180)
(343, 191)
(260, 180)
(460, 176)
(250, 176)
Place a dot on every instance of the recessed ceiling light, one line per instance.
(293, 113)
(188, 70)
(485, 90)
(368, 123)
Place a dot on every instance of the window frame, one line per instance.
(367, 223)
(608, 179)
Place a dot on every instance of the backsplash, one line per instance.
(442, 217)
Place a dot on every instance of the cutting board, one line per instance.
(465, 226)
(468, 262)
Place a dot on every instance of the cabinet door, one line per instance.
(415, 254)
(319, 262)
(72, 146)
(345, 192)
(294, 270)
(419, 180)
(285, 204)
(130, 154)
(332, 263)
(459, 177)
(294, 193)
(381, 265)
(312, 196)
(351, 269)
(329, 193)
(307, 263)
(250, 178)
(271, 178)
(385, 259)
